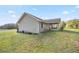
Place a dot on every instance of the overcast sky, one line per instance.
(11, 14)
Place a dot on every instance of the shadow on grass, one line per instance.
(52, 31)
(67, 31)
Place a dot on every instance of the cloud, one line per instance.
(65, 12)
(34, 9)
(72, 10)
(14, 16)
(46, 18)
(12, 13)
(77, 6)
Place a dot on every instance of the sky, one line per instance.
(12, 13)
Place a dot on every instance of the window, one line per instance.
(41, 25)
(54, 26)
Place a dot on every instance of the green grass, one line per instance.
(76, 30)
(53, 41)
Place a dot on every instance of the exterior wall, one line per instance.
(44, 28)
(47, 27)
(28, 24)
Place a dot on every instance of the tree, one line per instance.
(62, 25)
(74, 24)
(8, 26)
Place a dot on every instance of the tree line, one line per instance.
(71, 24)
(8, 26)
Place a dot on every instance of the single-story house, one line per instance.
(31, 24)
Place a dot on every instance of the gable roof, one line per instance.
(56, 20)
(24, 14)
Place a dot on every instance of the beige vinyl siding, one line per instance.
(29, 24)
(44, 28)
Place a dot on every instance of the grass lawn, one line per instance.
(53, 41)
(76, 30)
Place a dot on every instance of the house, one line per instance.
(31, 24)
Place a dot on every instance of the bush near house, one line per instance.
(62, 25)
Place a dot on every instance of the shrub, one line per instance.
(62, 25)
